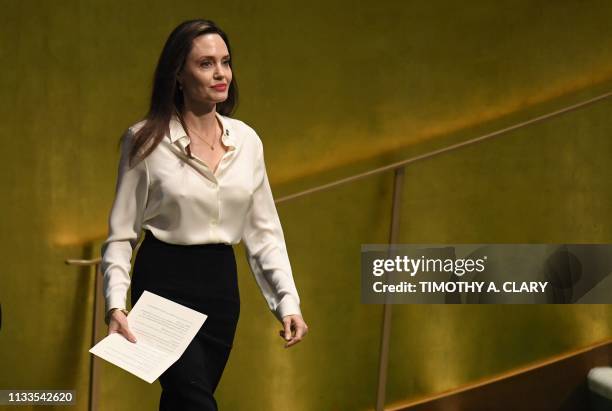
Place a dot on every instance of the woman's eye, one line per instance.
(208, 63)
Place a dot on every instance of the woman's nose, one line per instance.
(221, 71)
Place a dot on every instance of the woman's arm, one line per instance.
(265, 247)
(124, 226)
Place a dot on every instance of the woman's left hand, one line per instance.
(295, 329)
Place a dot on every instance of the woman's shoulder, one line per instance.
(127, 137)
(244, 130)
(133, 129)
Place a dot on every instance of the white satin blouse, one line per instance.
(181, 201)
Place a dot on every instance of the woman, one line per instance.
(195, 180)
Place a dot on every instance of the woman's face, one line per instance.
(206, 66)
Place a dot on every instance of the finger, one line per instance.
(293, 341)
(287, 329)
(301, 331)
(129, 335)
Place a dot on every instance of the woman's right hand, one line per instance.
(118, 324)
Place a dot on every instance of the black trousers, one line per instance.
(202, 277)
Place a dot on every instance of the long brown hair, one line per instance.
(166, 97)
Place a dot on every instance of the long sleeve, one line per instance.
(266, 250)
(124, 226)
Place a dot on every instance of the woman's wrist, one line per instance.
(110, 313)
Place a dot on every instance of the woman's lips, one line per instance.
(220, 87)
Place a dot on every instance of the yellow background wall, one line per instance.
(333, 88)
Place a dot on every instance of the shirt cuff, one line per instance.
(287, 306)
(115, 300)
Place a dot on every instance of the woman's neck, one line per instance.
(202, 120)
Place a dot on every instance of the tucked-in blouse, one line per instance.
(181, 201)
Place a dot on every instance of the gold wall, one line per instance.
(333, 88)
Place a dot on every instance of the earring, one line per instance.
(180, 86)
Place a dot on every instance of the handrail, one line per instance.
(407, 161)
(74, 261)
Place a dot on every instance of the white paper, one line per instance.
(163, 330)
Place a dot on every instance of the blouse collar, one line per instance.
(180, 137)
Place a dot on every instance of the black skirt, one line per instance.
(202, 277)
